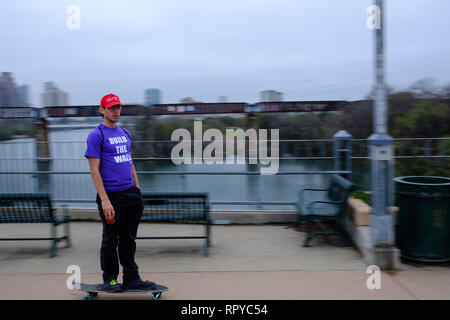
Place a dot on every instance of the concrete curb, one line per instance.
(221, 216)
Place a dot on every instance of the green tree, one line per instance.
(426, 119)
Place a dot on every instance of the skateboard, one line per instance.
(94, 289)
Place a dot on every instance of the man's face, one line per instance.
(112, 114)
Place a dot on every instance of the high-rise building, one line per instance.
(222, 99)
(49, 86)
(24, 91)
(152, 96)
(270, 96)
(53, 97)
(9, 93)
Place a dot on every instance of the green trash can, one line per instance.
(423, 226)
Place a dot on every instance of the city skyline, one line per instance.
(307, 51)
(54, 96)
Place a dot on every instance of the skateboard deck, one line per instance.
(94, 289)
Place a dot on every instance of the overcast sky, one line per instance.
(308, 50)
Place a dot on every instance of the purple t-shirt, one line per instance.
(116, 164)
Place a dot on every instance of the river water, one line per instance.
(67, 149)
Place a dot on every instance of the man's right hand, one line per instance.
(108, 211)
(107, 207)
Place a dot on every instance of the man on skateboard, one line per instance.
(119, 198)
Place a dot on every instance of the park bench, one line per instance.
(178, 207)
(33, 208)
(325, 205)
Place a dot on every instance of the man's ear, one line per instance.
(101, 110)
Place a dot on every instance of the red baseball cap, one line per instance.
(110, 100)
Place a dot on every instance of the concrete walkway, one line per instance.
(245, 262)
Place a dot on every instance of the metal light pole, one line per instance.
(383, 252)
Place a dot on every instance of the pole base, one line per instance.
(387, 258)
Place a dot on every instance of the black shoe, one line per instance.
(112, 286)
(140, 284)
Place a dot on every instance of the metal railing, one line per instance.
(65, 173)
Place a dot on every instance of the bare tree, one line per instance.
(425, 89)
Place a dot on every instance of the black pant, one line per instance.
(121, 235)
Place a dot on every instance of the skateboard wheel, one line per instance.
(156, 296)
(90, 296)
